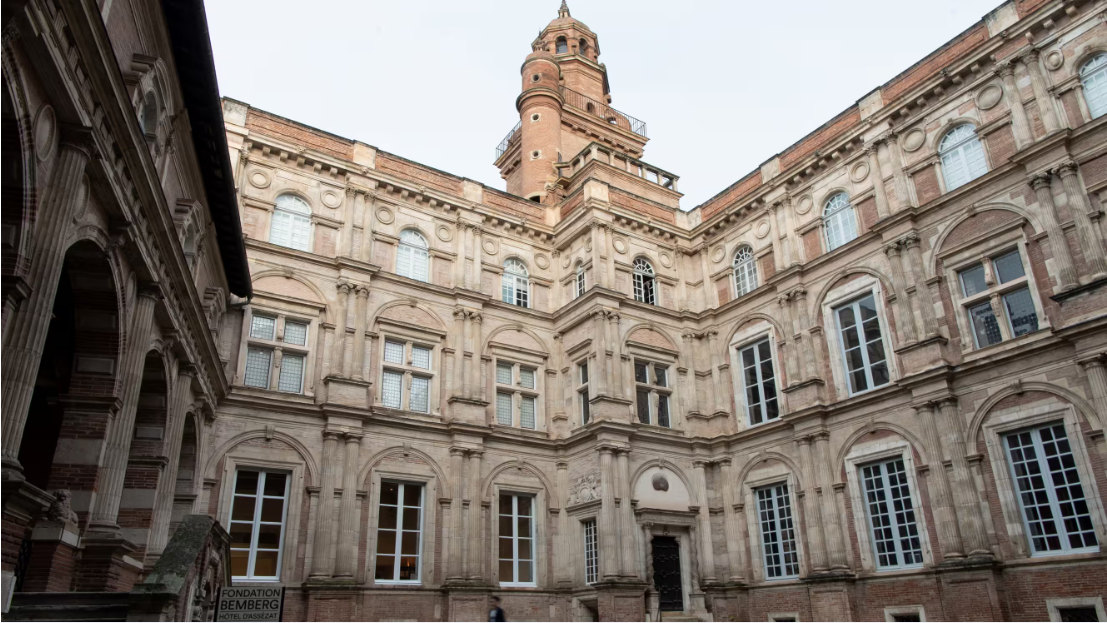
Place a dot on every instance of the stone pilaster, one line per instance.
(121, 430)
(878, 181)
(628, 544)
(458, 382)
(338, 354)
(973, 536)
(717, 380)
(454, 571)
(1095, 368)
(1091, 244)
(916, 274)
(837, 557)
(790, 362)
(322, 564)
(346, 245)
(360, 320)
(1046, 106)
(816, 546)
(811, 371)
(25, 335)
(167, 487)
(1066, 273)
(346, 558)
(689, 397)
(941, 500)
(905, 316)
(617, 367)
(610, 561)
(706, 547)
(460, 239)
(710, 296)
(1006, 71)
(890, 147)
(368, 215)
(599, 367)
(730, 521)
(476, 320)
(473, 564)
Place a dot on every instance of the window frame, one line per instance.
(276, 344)
(408, 370)
(745, 271)
(534, 537)
(887, 490)
(891, 612)
(518, 283)
(739, 368)
(837, 216)
(518, 391)
(654, 390)
(961, 147)
(416, 252)
(580, 283)
(591, 554)
(284, 523)
(793, 519)
(1056, 605)
(863, 348)
(1099, 57)
(583, 376)
(302, 218)
(399, 532)
(644, 273)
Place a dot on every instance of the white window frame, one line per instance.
(886, 489)
(655, 391)
(995, 294)
(740, 371)
(515, 283)
(1054, 606)
(296, 211)
(580, 285)
(745, 271)
(399, 532)
(839, 221)
(256, 522)
(518, 392)
(868, 452)
(414, 244)
(793, 519)
(515, 537)
(408, 370)
(583, 397)
(277, 348)
(644, 275)
(955, 149)
(863, 349)
(835, 298)
(591, 541)
(1094, 71)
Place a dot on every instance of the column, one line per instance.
(774, 235)
(964, 490)
(710, 399)
(563, 574)
(629, 545)
(733, 533)
(321, 566)
(1097, 378)
(1019, 120)
(790, 363)
(832, 521)
(1046, 106)
(467, 344)
(706, 547)
(891, 150)
(454, 563)
(791, 247)
(360, 320)
(689, 397)
(878, 182)
(25, 336)
(617, 354)
(600, 346)
(476, 550)
(120, 431)
(346, 248)
(368, 214)
(478, 255)
(916, 274)
(608, 536)
(459, 353)
(1090, 242)
(941, 500)
(810, 369)
(710, 296)
(346, 563)
(905, 317)
(459, 248)
(476, 320)
(1057, 242)
(609, 263)
(716, 372)
(682, 284)
(340, 324)
(167, 485)
(811, 508)
(599, 276)
(557, 292)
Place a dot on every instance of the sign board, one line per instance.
(250, 603)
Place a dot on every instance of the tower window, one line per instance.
(562, 46)
(535, 155)
(535, 77)
(535, 117)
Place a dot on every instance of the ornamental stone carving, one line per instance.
(585, 489)
(660, 482)
(60, 509)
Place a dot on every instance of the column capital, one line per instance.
(945, 400)
(557, 337)
(1067, 169)
(1030, 56)
(350, 190)
(688, 336)
(562, 464)
(1094, 361)
(189, 369)
(362, 292)
(910, 241)
(1005, 68)
(353, 437)
(699, 464)
(475, 454)
(892, 248)
(724, 461)
(460, 313)
(607, 448)
(457, 451)
(150, 290)
(343, 287)
(476, 317)
(1041, 180)
(78, 137)
(331, 435)
(799, 293)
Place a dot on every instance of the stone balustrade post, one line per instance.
(346, 558)
(1058, 244)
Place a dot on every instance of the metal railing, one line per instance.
(504, 144)
(603, 111)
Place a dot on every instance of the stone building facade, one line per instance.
(122, 249)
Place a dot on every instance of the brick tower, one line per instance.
(564, 106)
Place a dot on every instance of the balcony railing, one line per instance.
(504, 144)
(603, 111)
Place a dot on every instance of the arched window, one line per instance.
(839, 221)
(962, 156)
(516, 283)
(582, 47)
(291, 223)
(562, 46)
(413, 258)
(1093, 75)
(745, 271)
(645, 289)
(580, 286)
(149, 118)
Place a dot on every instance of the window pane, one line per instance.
(263, 327)
(663, 410)
(526, 377)
(526, 413)
(394, 352)
(257, 367)
(421, 357)
(503, 373)
(388, 517)
(243, 509)
(661, 374)
(247, 482)
(390, 493)
(1009, 267)
(984, 325)
(269, 535)
(585, 415)
(591, 553)
(391, 389)
(386, 567)
(643, 401)
(641, 372)
(524, 511)
(292, 374)
(272, 509)
(411, 518)
(242, 534)
(295, 333)
(1020, 310)
(503, 409)
(420, 394)
(972, 280)
(265, 563)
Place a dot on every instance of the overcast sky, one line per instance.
(723, 86)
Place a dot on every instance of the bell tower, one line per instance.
(565, 105)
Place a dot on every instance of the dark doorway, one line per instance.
(666, 573)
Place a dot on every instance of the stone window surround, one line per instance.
(891, 611)
(271, 206)
(881, 450)
(588, 511)
(430, 340)
(836, 298)
(541, 523)
(1054, 606)
(975, 251)
(654, 356)
(777, 474)
(752, 334)
(1007, 421)
(518, 359)
(681, 530)
(252, 457)
(307, 350)
(783, 616)
(581, 353)
(982, 130)
(429, 530)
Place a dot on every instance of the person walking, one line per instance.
(497, 613)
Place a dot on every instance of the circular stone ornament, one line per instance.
(717, 254)
(914, 140)
(542, 261)
(490, 247)
(763, 229)
(566, 260)
(385, 215)
(620, 245)
(260, 179)
(46, 132)
(665, 259)
(1054, 60)
(660, 482)
(859, 172)
(331, 199)
(803, 206)
(989, 96)
(445, 234)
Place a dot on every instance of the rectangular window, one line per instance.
(292, 374)
(503, 373)
(652, 393)
(891, 511)
(394, 352)
(526, 377)
(503, 409)
(778, 537)
(263, 327)
(997, 300)
(516, 546)
(257, 524)
(392, 389)
(582, 392)
(1054, 508)
(1078, 613)
(759, 382)
(580, 282)
(862, 345)
(591, 553)
(526, 412)
(295, 333)
(421, 357)
(258, 361)
(585, 415)
(399, 532)
(420, 394)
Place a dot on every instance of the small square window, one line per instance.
(1009, 267)
(641, 372)
(421, 357)
(295, 333)
(394, 352)
(263, 327)
(661, 375)
(973, 280)
(526, 377)
(503, 373)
